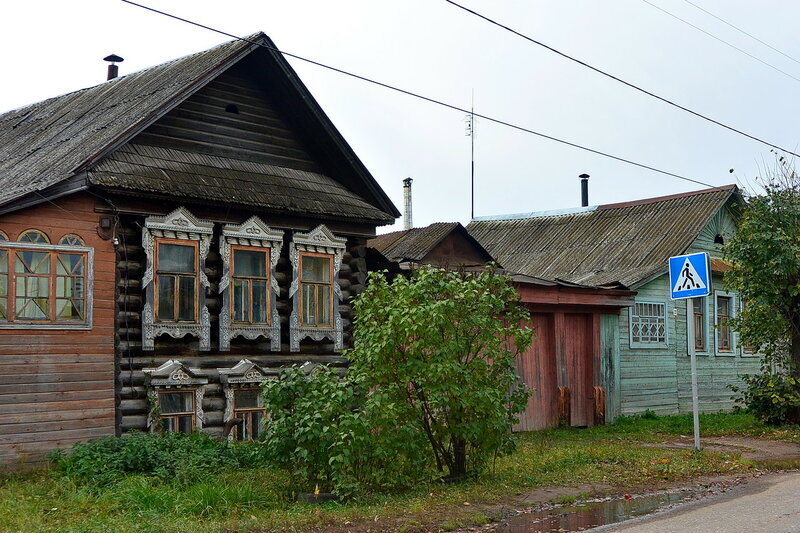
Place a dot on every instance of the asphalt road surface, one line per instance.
(770, 504)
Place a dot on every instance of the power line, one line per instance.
(706, 11)
(723, 41)
(430, 99)
(617, 79)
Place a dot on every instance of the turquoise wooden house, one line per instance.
(627, 245)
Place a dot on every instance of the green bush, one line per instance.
(171, 457)
(326, 431)
(772, 397)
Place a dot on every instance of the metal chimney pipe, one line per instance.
(407, 222)
(113, 69)
(584, 190)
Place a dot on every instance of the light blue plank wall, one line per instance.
(658, 378)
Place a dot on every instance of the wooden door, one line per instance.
(580, 362)
(537, 368)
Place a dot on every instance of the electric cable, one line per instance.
(438, 102)
(740, 30)
(618, 79)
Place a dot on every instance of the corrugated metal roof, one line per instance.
(413, 244)
(624, 243)
(51, 141)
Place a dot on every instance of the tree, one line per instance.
(437, 351)
(765, 257)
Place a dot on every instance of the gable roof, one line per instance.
(67, 138)
(416, 243)
(623, 243)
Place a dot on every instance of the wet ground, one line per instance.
(594, 513)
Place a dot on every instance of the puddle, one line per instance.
(594, 514)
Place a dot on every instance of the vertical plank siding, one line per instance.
(57, 387)
(538, 369)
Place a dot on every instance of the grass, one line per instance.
(259, 500)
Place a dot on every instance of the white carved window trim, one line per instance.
(245, 374)
(179, 225)
(174, 376)
(88, 277)
(253, 233)
(653, 319)
(320, 240)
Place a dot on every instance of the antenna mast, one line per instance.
(470, 132)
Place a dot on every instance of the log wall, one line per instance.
(132, 394)
(57, 386)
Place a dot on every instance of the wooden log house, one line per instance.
(171, 238)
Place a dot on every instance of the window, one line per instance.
(44, 285)
(71, 240)
(176, 281)
(316, 290)
(648, 324)
(249, 407)
(176, 411)
(747, 351)
(3, 236)
(316, 257)
(33, 235)
(250, 268)
(724, 306)
(700, 313)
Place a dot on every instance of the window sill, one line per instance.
(660, 346)
(45, 326)
(726, 354)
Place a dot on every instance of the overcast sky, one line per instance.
(428, 46)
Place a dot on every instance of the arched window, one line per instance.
(3, 236)
(33, 235)
(71, 240)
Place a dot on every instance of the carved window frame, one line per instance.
(244, 375)
(253, 233)
(174, 376)
(179, 225)
(320, 240)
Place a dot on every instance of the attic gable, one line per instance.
(132, 132)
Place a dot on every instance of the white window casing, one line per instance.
(256, 234)
(174, 376)
(648, 325)
(319, 240)
(180, 225)
(732, 333)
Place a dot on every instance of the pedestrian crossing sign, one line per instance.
(689, 276)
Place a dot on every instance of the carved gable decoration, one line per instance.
(182, 225)
(245, 371)
(173, 373)
(319, 240)
(253, 233)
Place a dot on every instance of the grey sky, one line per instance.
(428, 46)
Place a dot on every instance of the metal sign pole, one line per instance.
(695, 398)
(689, 278)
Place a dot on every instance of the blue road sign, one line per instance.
(689, 276)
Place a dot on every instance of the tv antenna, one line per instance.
(469, 131)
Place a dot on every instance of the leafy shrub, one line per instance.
(171, 456)
(439, 351)
(772, 397)
(325, 430)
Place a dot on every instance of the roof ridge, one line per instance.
(618, 205)
(249, 39)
